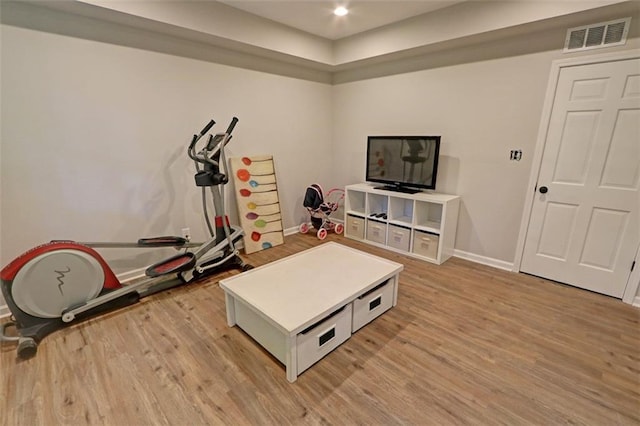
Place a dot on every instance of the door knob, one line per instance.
(543, 189)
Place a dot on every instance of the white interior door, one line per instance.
(584, 226)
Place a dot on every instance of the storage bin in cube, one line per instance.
(426, 244)
(355, 227)
(376, 231)
(399, 237)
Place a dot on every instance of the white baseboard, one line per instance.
(500, 264)
(292, 230)
(296, 229)
(496, 263)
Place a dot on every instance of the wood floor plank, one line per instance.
(466, 344)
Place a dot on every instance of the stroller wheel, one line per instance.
(339, 228)
(322, 234)
(304, 228)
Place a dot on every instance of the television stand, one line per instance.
(402, 189)
(421, 225)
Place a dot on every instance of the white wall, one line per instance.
(94, 140)
(94, 135)
(484, 101)
(482, 111)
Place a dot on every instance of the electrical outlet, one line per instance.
(186, 234)
(515, 154)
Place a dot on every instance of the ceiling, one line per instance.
(316, 17)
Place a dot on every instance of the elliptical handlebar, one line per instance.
(233, 123)
(206, 155)
(207, 128)
(197, 137)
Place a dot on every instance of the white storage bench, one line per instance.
(302, 307)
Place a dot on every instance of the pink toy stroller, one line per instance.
(320, 209)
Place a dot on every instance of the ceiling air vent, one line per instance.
(604, 34)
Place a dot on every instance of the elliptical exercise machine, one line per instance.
(61, 282)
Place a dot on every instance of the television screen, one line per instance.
(403, 162)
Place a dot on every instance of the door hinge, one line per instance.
(633, 265)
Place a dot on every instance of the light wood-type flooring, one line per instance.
(466, 344)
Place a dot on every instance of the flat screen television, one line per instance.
(403, 163)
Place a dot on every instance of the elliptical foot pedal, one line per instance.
(170, 241)
(178, 263)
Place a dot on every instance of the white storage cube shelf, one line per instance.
(401, 211)
(355, 201)
(377, 204)
(421, 225)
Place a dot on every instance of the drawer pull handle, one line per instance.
(376, 288)
(375, 303)
(326, 336)
(312, 326)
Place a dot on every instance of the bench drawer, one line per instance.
(372, 304)
(320, 339)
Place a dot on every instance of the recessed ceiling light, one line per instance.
(340, 11)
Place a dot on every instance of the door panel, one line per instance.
(622, 169)
(591, 89)
(632, 87)
(604, 238)
(576, 143)
(585, 230)
(559, 222)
